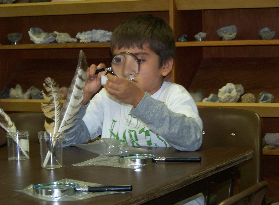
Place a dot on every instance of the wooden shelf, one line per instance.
(224, 4)
(228, 43)
(22, 105)
(115, 6)
(81, 7)
(107, 45)
(263, 109)
(53, 46)
(271, 151)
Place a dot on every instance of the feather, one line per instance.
(65, 119)
(49, 126)
(6, 122)
(52, 109)
(75, 95)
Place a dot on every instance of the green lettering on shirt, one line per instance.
(112, 134)
(133, 138)
(147, 136)
(133, 135)
(162, 140)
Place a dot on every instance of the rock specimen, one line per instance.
(227, 33)
(64, 38)
(272, 138)
(17, 93)
(197, 96)
(239, 89)
(265, 97)
(5, 94)
(230, 93)
(183, 38)
(212, 98)
(36, 93)
(7, 1)
(201, 36)
(94, 36)
(266, 33)
(38, 36)
(248, 98)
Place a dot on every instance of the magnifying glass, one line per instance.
(124, 65)
(60, 189)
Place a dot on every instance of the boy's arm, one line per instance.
(181, 132)
(88, 122)
(78, 133)
(93, 82)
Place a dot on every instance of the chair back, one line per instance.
(32, 122)
(251, 196)
(235, 128)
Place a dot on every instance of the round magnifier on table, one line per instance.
(57, 189)
(136, 159)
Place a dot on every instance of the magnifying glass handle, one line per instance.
(110, 188)
(98, 71)
(109, 70)
(179, 159)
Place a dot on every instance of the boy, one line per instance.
(145, 110)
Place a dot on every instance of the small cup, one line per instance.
(18, 145)
(51, 150)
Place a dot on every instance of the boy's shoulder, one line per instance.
(173, 87)
(170, 89)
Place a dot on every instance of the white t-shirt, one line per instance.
(110, 119)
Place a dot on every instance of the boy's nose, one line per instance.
(125, 65)
(130, 69)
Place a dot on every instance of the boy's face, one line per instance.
(150, 76)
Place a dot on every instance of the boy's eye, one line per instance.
(118, 60)
(140, 60)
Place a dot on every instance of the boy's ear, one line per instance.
(167, 67)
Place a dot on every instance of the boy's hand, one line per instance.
(124, 90)
(93, 83)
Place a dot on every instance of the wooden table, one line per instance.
(159, 183)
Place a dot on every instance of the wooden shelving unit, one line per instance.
(198, 65)
(206, 65)
(264, 110)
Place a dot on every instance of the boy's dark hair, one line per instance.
(145, 29)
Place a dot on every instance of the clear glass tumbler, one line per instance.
(18, 145)
(51, 150)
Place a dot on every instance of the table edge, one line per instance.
(184, 182)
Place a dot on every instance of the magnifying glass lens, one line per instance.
(125, 65)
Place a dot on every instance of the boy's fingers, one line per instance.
(114, 79)
(101, 65)
(90, 73)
